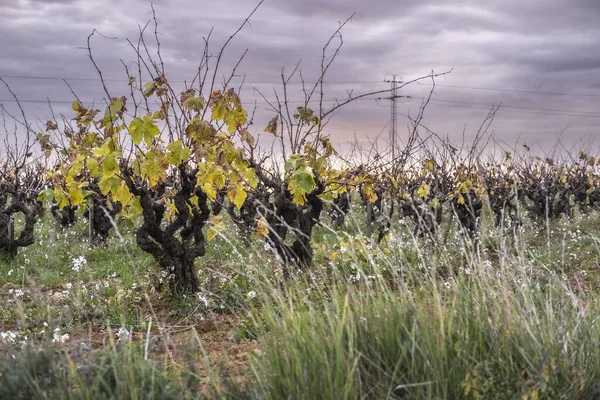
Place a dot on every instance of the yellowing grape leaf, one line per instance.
(122, 195)
(177, 153)
(144, 130)
(429, 164)
(216, 226)
(272, 125)
(250, 177)
(247, 137)
(210, 190)
(109, 184)
(237, 194)
(423, 190)
(153, 168)
(110, 166)
(262, 228)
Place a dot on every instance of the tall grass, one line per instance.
(423, 322)
(512, 315)
(483, 337)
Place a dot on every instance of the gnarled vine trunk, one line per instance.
(174, 254)
(12, 204)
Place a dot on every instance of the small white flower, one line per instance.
(203, 299)
(69, 285)
(58, 338)
(78, 263)
(448, 285)
(10, 272)
(8, 336)
(123, 333)
(251, 294)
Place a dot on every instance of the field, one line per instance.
(164, 247)
(511, 315)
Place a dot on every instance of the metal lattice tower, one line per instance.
(393, 112)
(393, 117)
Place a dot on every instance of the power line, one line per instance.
(520, 91)
(476, 107)
(59, 78)
(448, 103)
(520, 107)
(243, 102)
(539, 92)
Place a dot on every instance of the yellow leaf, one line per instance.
(251, 178)
(153, 167)
(423, 191)
(92, 165)
(546, 373)
(171, 211)
(177, 153)
(122, 195)
(62, 200)
(237, 195)
(210, 190)
(76, 196)
(262, 228)
(216, 226)
(218, 178)
(429, 164)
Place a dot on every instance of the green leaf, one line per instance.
(210, 190)
(218, 178)
(75, 193)
(177, 153)
(106, 148)
(301, 183)
(46, 196)
(110, 166)
(122, 194)
(153, 168)
(305, 180)
(200, 130)
(321, 163)
(113, 111)
(92, 165)
(109, 184)
(250, 177)
(144, 130)
(62, 200)
(150, 88)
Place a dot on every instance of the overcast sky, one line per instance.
(539, 58)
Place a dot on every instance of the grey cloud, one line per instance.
(548, 45)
